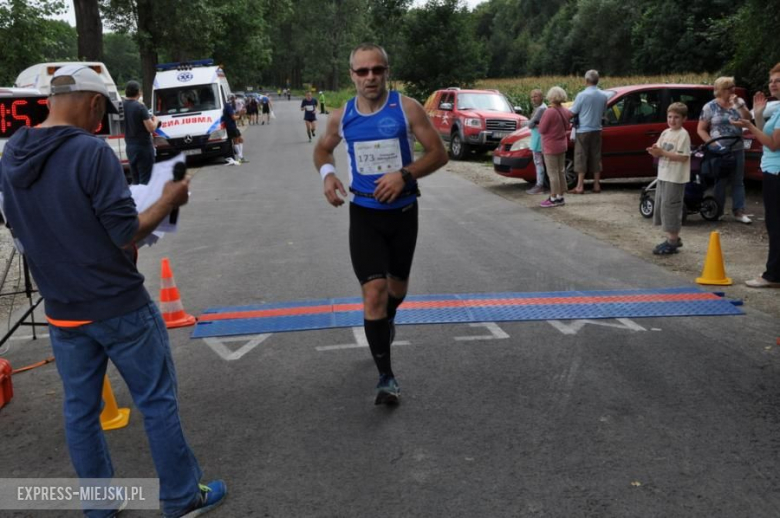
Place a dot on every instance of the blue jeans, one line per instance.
(141, 160)
(737, 181)
(137, 344)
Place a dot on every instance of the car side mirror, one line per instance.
(518, 109)
(446, 106)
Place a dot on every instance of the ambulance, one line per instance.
(38, 78)
(188, 99)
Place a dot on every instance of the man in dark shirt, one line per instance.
(229, 118)
(139, 127)
(69, 207)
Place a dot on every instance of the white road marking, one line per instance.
(573, 327)
(496, 333)
(224, 352)
(360, 341)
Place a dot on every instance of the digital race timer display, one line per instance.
(16, 112)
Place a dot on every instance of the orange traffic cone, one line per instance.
(714, 270)
(112, 417)
(170, 303)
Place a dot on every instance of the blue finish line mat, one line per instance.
(464, 308)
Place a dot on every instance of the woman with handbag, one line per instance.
(716, 120)
(554, 129)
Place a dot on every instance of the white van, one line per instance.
(188, 99)
(39, 76)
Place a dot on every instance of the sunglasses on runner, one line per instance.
(363, 72)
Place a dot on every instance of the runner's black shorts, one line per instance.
(233, 133)
(382, 242)
(266, 108)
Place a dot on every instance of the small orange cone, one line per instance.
(170, 302)
(714, 270)
(112, 417)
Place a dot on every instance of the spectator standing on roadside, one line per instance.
(673, 151)
(716, 120)
(589, 106)
(68, 204)
(536, 140)
(240, 104)
(229, 117)
(768, 133)
(321, 100)
(554, 129)
(139, 129)
(379, 127)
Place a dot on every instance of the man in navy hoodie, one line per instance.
(71, 213)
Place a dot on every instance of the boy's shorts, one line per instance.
(669, 206)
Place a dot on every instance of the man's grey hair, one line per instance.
(367, 47)
(592, 77)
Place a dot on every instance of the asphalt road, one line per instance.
(656, 417)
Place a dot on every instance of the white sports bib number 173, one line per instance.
(378, 156)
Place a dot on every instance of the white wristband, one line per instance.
(326, 169)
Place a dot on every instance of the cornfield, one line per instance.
(518, 90)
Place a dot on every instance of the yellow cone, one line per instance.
(714, 270)
(112, 417)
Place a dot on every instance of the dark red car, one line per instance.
(633, 121)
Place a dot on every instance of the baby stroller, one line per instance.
(708, 167)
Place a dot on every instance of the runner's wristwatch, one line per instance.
(407, 175)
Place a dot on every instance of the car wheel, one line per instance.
(647, 205)
(710, 209)
(459, 150)
(571, 176)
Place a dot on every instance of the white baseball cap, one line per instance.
(84, 80)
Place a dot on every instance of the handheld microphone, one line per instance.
(179, 170)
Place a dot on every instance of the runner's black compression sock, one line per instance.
(378, 334)
(392, 306)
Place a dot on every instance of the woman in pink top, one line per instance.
(554, 129)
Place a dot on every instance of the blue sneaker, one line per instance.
(387, 391)
(211, 496)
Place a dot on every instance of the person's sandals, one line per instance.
(666, 248)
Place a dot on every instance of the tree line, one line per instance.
(442, 43)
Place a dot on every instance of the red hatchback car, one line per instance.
(633, 121)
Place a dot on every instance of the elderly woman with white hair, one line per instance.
(716, 120)
(554, 129)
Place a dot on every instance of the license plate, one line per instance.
(497, 160)
(500, 134)
(188, 152)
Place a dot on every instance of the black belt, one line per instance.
(415, 192)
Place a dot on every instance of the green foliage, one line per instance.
(755, 48)
(27, 35)
(451, 55)
(121, 58)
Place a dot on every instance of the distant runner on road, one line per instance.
(380, 128)
(309, 109)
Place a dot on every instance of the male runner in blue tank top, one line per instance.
(380, 128)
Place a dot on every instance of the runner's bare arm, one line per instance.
(390, 186)
(323, 154)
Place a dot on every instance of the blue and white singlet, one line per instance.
(377, 144)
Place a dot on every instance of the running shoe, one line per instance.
(387, 391)
(548, 203)
(665, 248)
(760, 282)
(211, 496)
(536, 189)
(559, 202)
